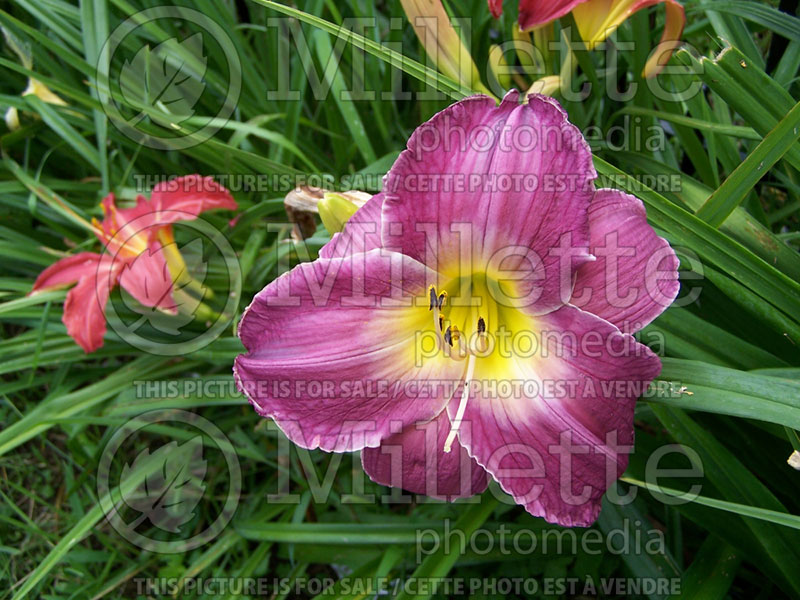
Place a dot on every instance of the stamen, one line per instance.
(438, 319)
(452, 338)
(448, 335)
(481, 343)
(462, 405)
(442, 298)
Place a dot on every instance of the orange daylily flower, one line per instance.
(140, 255)
(597, 19)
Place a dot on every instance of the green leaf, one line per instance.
(84, 526)
(67, 132)
(740, 225)
(417, 70)
(695, 385)
(770, 17)
(333, 533)
(739, 183)
(653, 566)
(775, 517)
(739, 486)
(38, 421)
(759, 99)
(712, 571)
(439, 563)
(737, 131)
(329, 61)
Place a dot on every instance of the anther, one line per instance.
(434, 300)
(442, 298)
(481, 343)
(448, 336)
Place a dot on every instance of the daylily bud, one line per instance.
(498, 65)
(442, 42)
(794, 460)
(548, 85)
(531, 54)
(35, 87)
(335, 210)
(596, 21)
(41, 91)
(12, 118)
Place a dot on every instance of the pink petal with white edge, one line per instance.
(361, 233)
(581, 409)
(147, 278)
(414, 460)
(521, 183)
(333, 351)
(635, 276)
(67, 271)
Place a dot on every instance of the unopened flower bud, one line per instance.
(335, 210)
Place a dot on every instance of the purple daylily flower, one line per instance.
(472, 319)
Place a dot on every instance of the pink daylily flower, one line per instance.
(392, 342)
(597, 19)
(140, 255)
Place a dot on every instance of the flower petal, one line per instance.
(496, 8)
(191, 194)
(335, 210)
(497, 188)
(361, 233)
(147, 278)
(67, 271)
(533, 13)
(442, 42)
(180, 199)
(84, 309)
(597, 19)
(635, 276)
(674, 22)
(335, 355)
(557, 441)
(413, 459)
(123, 239)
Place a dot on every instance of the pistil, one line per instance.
(462, 405)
